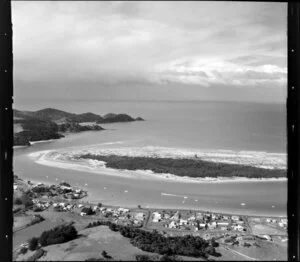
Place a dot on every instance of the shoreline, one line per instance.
(86, 200)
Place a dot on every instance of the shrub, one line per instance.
(26, 201)
(23, 250)
(104, 254)
(88, 211)
(58, 235)
(33, 243)
(37, 209)
(65, 184)
(18, 201)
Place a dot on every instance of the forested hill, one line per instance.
(59, 116)
(52, 123)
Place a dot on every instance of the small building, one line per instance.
(83, 214)
(235, 218)
(238, 228)
(223, 223)
(139, 216)
(266, 237)
(166, 216)
(183, 222)
(172, 224)
(156, 217)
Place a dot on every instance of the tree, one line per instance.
(33, 243)
(104, 254)
(87, 210)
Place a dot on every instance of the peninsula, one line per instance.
(49, 123)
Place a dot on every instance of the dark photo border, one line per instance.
(6, 130)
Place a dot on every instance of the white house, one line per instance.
(238, 228)
(223, 223)
(235, 218)
(139, 216)
(183, 222)
(156, 217)
(172, 224)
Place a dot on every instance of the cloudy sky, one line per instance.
(150, 50)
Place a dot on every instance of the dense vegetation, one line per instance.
(36, 130)
(75, 127)
(50, 123)
(59, 234)
(157, 243)
(186, 167)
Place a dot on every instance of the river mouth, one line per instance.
(257, 197)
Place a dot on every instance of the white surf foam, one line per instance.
(69, 158)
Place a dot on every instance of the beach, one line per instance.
(166, 134)
(67, 160)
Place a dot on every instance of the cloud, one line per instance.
(135, 43)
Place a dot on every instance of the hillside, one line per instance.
(50, 123)
(51, 114)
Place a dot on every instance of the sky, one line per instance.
(148, 50)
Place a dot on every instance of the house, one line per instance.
(139, 216)
(124, 210)
(199, 216)
(235, 218)
(283, 221)
(223, 223)
(223, 228)
(172, 224)
(225, 217)
(80, 205)
(238, 228)
(83, 214)
(156, 217)
(183, 222)
(268, 220)
(212, 225)
(166, 216)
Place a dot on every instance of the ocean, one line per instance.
(228, 131)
